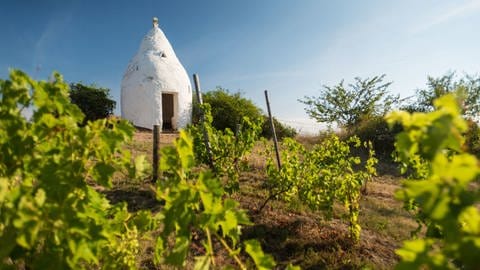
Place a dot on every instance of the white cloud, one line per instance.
(55, 26)
(464, 9)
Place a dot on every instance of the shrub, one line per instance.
(95, 102)
(472, 138)
(50, 218)
(375, 129)
(282, 130)
(228, 149)
(229, 109)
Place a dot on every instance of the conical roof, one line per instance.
(154, 70)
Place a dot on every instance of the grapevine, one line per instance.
(196, 201)
(321, 176)
(228, 149)
(49, 216)
(447, 197)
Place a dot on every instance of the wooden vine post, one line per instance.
(277, 153)
(155, 156)
(206, 140)
(275, 141)
(237, 133)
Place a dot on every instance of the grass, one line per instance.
(290, 231)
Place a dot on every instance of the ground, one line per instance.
(291, 232)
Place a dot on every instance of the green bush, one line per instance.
(375, 129)
(445, 200)
(95, 102)
(50, 217)
(472, 138)
(228, 149)
(282, 130)
(229, 109)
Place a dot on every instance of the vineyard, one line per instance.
(80, 196)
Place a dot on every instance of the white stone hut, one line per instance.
(156, 89)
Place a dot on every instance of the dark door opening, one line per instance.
(167, 111)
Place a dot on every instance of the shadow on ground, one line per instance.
(141, 199)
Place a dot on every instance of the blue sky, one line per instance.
(289, 47)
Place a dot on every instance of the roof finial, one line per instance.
(155, 22)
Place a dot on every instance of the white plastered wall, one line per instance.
(154, 70)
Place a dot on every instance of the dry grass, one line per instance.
(142, 142)
(294, 234)
(291, 232)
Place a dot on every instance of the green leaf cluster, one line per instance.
(50, 215)
(95, 102)
(195, 202)
(447, 197)
(53, 217)
(228, 109)
(323, 175)
(229, 149)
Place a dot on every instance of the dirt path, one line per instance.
(147, 136)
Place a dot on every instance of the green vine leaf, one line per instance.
(262, 261)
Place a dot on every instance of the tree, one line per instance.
(95, 102)
(466, 89)
(347, 106)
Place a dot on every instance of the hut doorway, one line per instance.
(168, 112)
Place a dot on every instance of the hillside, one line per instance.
(291, 232)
